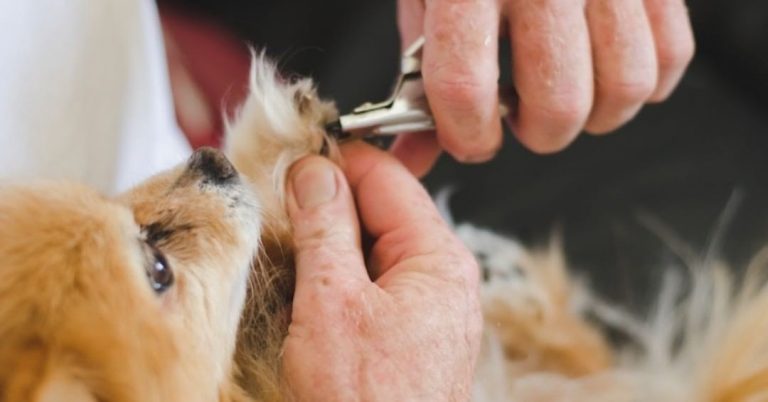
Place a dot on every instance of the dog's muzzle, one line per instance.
(212, 166)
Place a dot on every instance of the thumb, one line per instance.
(325, 229)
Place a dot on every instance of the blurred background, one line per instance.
(622, 202)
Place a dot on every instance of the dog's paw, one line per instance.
(281, 121)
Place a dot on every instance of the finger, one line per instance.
(417, 151)
(325, 229)
(460, 70)
(410, 20)
(624, 58)
(674, 43)
(399, 214)
(552, 71)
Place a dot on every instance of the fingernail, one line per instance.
(314, 184)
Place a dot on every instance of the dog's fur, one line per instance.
(704, 340)
(79, 320)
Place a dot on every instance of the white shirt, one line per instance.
(84, 93)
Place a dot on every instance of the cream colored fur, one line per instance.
(706, 342)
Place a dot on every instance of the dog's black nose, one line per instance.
(213, 166)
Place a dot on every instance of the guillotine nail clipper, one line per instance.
(405, 111)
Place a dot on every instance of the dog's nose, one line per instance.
(213, 166)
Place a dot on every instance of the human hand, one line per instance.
(410, 334)
(577, 64)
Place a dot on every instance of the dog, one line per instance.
(142, 297)
(180, 289)
(131, 299)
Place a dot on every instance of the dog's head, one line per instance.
(131, 299)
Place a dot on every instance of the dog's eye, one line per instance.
(159, 271)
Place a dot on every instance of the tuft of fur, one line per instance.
(701, 342)
(282, 121)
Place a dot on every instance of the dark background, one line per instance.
(678, 163)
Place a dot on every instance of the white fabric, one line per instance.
(84, 92)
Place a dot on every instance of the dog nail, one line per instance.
(314, 184)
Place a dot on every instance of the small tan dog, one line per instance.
(140, 298)
(179, 289)
(130, 300)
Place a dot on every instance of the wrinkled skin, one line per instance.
(413, 332)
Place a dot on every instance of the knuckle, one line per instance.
(629, 91)
(461, 268)
(324, 255)
(313, 245)
(564, 110)
(463, 99)
(549, 142)
(308, 240)
(676, 53)
(459, 87)
(602, 125)
(474, 147)
(548, 129)
(323, 240)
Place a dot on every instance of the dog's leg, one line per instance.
(280, 122)
(531, 310)
(539, 327)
